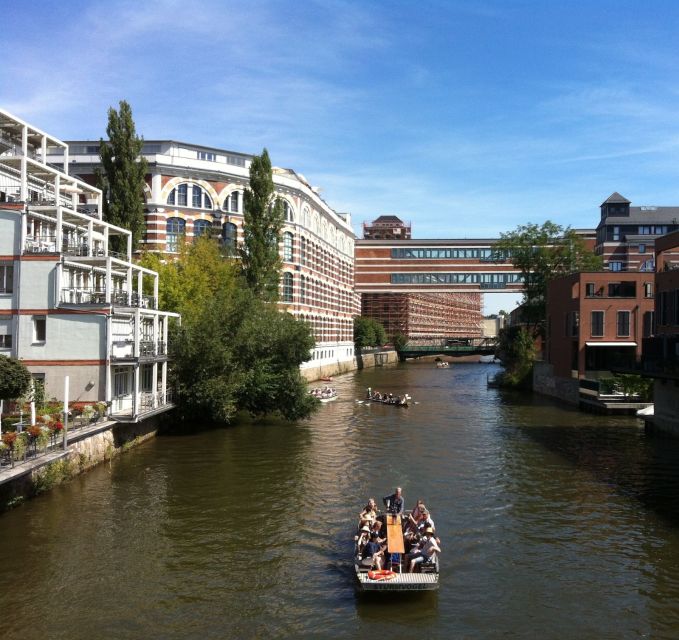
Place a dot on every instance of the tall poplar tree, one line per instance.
(122, 175)
(262, 223)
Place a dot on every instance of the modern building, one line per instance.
(626, 235)
(192, 189)
(661, 352)
(69, 305)
(596, 322)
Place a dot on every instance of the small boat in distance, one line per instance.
(442, 365)
(324, 394)
(326, 379)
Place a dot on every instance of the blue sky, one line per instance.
(464, 118)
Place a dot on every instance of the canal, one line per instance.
(554, 524)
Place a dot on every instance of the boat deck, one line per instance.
(402, 582)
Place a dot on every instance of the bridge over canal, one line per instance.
(456, 348)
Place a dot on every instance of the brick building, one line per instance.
(596, 322)
(626, 235)
(661, 352)
(192, 189)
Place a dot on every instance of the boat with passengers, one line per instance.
(396, 552)
(388, 398)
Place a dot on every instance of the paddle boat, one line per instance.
(387, 398)
(395, 576)
(324, 394)
(442, 365)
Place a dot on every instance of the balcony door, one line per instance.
(122, 390)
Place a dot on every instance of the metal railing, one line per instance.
(41, 244)
(135, 300)
(73, 295)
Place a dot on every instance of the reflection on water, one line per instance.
(555, 524)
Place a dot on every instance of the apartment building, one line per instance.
(69, 305)
(596, 322)
(626, 235)
(193, 189)
(661, 352)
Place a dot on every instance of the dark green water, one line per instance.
(554, 524)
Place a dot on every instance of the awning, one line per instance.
(610, 344)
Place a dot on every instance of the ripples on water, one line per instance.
(555, 524)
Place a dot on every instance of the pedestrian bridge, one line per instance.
(455, 347)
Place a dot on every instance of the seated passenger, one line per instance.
(373, 553)
(369, 514)
(428, 549)
(377, 528)
(362, 538)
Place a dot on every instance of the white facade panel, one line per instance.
(10, 232)
(38, 284)
(67, 337)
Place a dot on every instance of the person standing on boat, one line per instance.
(395, 503)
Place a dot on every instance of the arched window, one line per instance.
(302, 289)
(287, 211)
(302, 250)
(229, 235)
(232, 202)
(200, 227)
(176, 227)
(180, 195)
(287, 287)
(287, 247)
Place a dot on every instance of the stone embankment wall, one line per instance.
(666, 408)
(84, 452)
(546, 383)
(363, 361)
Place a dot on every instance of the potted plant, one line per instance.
(9, 438)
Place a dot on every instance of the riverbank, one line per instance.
(365, 360)
(87, 448)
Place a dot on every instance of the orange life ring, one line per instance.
(381, 574)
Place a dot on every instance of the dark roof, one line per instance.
(616, 198)
(387, 220)
(644, 215)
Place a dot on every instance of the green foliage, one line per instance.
(516, 349)
(52, 475)
(122, 177)
(399, 341)
(368, 332)
(15, 379)
(262, 224)
(632, 385)
(543, 253)
(239, 353)
(190, 282)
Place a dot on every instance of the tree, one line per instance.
(262, 224)
(122, 177)
(543, 253)
(15, 379)
(368, 332)
(399, 341)
(516, 349)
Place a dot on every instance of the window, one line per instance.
(623, 324)
(197, 196)
(302, 290)
(200, 227)
(648, 324)
(39, 328)
(648, 289)
(147, 378)
(6, 278)
(287, 287)
(182, 195)
(172, 197)
(229, 235)
(302, 250)
(176, 227)
(615, 266)
(5, 341)
(287, 247)
(589, 289)
(575, 323)
(647, 265)
(287, 211)
(642, 248)
(232, 202)
(597, 324)
(616, 233)
(236, 161)
(205, 155)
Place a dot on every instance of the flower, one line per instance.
(56, 426)
(34, 431)
(9, 437)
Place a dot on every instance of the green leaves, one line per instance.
(262, 224)
(15, 379)
(368, 332)
(122, 177)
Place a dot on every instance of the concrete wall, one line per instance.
(311, 374)
(10, 236)
(546, 383)
(80, 377)
(666, 406)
